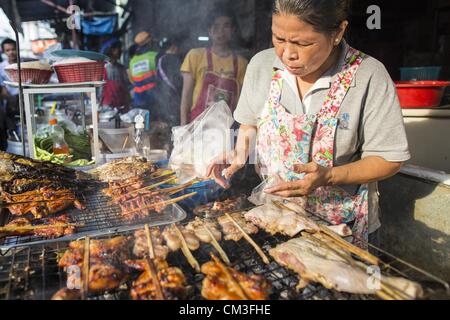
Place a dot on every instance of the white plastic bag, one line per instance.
(198, 143)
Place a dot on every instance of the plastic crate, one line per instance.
(207, 191)
(420, 73)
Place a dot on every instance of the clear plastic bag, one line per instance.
(260, 197)
(198, 143)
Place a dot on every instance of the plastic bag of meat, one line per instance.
(198, 143)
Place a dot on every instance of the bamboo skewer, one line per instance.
(186, 251)
(31, 228)
(153, 270)
(163, 203)
(8, 204)
(86, 262)
(249, 239)
(230, 277)
(216, 245)
(125, 143)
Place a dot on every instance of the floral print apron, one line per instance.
(285, 140)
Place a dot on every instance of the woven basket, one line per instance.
(80, 72)
(30, 76)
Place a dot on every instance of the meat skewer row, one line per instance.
(207, 232)
(186, 240)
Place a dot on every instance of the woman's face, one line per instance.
(221, 31)
(301, 49)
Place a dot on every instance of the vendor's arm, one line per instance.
(360, 172)
(186, 97)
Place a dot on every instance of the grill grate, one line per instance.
(99, 218)
(32, 272)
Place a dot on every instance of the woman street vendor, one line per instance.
(325, 117)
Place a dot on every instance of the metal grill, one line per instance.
(32, 273)
(99, 218)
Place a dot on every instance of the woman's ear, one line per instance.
(340, 32)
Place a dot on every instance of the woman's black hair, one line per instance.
(8, 41)
(221, 11)
(324, 15)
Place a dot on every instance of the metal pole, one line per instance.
(19, 70)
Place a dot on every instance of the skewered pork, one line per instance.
(174, 242)
(231, 232)
(48, 228)
(107, 270)
(278, 220)
(41, 203)
(171, 280)
(124, 169)
(334, 268)
(140, 248)
(198, 228)
(225, 283)
(219, 207)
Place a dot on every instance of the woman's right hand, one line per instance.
(227, 164)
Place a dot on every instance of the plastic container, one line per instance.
(60, 145)
(117, 140)
(421, 94)
(420, 73)
(80, 72)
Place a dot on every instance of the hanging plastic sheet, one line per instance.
(99, 25)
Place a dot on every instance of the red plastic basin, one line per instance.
(421, 94)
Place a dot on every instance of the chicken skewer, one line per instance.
(250, 240)
(153, 271)
(230, 277)
(186, 251)
(216, 245)
(86, 262)
(164, 203)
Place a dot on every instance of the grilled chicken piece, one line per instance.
(174, 242)
(217, 285)
(16, 227)
(198, 228)
(48, 201)
(213, 209)
(171, 279)
(67, 294)
(275, 220)
(124, 169)
(107, 270)
(333, 268)
(231, 232)
(140, 248)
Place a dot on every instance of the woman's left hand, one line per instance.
(315, 176)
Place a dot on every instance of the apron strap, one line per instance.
(210, 59)
(341, 85)
(235, 66)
